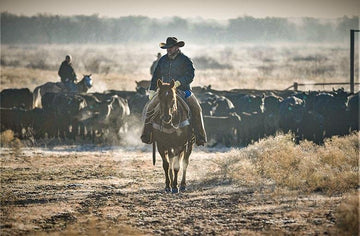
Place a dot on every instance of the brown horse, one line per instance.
(173, 135)
(50, 87)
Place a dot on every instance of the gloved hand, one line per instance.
(151, 94)
(177, 83)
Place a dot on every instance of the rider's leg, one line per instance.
(71, 86)
(146, 136)
(198, 121)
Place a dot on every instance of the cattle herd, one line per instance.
(231, 118)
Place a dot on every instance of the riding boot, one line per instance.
(198, 122)
(148, 113)
(146, 136)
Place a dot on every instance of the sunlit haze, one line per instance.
(207, 9)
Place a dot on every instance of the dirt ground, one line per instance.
(117, 191)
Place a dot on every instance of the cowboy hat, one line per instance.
(171, 42)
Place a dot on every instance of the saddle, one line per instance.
(184, 121)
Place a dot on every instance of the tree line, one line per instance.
(51, 29)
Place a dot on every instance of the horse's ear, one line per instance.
(159, 83)
(172, 83)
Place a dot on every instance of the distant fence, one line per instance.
(296, 85)
(352, 69)
(352, 57)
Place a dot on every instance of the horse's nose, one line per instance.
(166, 118)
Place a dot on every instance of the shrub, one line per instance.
(347, 215)
(6, 138)
(331, 168)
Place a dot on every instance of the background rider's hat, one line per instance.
(171, 42)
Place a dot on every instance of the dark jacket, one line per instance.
(181, 68)
(66, 71)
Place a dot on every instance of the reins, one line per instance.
(152, 114)
(185, 122)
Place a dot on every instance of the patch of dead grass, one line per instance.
(7, 139)
(330, 169)
(347, 214)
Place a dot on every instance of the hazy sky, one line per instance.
(207, 9)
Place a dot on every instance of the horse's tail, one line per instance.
(37, 98)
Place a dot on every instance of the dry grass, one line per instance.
(7, 139)
(115, 192)
(347, 215)
(287, 169)
(247, 66)
(44, 180)
(330, 169)
(31, 78)
(92, 225)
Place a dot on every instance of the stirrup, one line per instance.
(200, 141)
(146, 138)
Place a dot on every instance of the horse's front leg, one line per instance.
(174, 170)
(166, 167)
(185, 163)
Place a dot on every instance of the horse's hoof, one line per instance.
(167, 190)
(182, 188)
(175, 190)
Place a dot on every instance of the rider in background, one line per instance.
(175, 66)
(67, 74)
(154, 64)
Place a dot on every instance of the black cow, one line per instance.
(42, 123)
(246, 103)
(332, 106)
(101, 116)
(252, 127)
(93, 118)
(291, 112)
(207, 102)
(312, 127)
(66, 109)
(222, 129)
(137, 103)
(308, 98)
(207, 108)
(353, 111)
(14, 119)
(21, 98)
(222, 106)
(271, 114)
